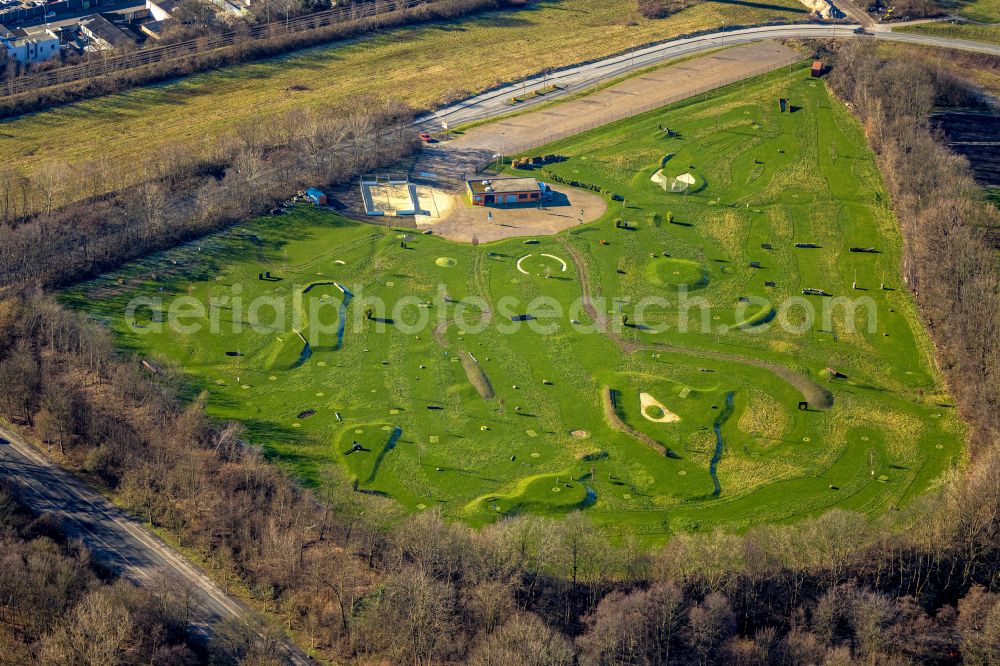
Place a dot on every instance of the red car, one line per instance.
(425, 137)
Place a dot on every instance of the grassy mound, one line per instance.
(673, 273)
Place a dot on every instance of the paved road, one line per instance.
(116, 539)
(579, 77)
(449, 162)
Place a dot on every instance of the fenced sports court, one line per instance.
(389, 195)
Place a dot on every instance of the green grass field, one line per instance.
(399, 405)
(420, 65)
(971, 31)
(984, 11)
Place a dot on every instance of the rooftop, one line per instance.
(102, 28)
(504, 185)
(167, 6)
(154, 28)
(15, 35)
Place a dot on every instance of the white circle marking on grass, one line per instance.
(519, 264)
(552, 256)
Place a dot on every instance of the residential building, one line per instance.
(103, 34)
(161, 10)
(29, 46)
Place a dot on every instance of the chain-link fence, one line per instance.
(571, 126)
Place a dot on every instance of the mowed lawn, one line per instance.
(970, 31)
(421, 65)
(440, 399)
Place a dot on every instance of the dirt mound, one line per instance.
(477, 376)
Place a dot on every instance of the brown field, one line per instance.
(421, 65)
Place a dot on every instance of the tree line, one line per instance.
(68, 223)
(57, 606)
(198, 44)
(949, 263)
(358, 581)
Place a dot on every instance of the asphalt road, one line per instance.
(117, 540)
(580, 77)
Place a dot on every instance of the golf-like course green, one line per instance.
(651, 421)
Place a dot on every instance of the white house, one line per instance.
(39, 45)
(161, 10)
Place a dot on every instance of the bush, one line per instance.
(652, 9)
(656, 9)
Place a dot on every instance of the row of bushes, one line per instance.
(572, 182)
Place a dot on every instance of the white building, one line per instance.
(39, 45)
(161, 10)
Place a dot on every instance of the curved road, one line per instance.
(580, 77)
(118, 541)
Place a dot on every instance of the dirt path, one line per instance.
(813, 393)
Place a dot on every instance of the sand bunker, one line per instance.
(648, 403)
(432, 205)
